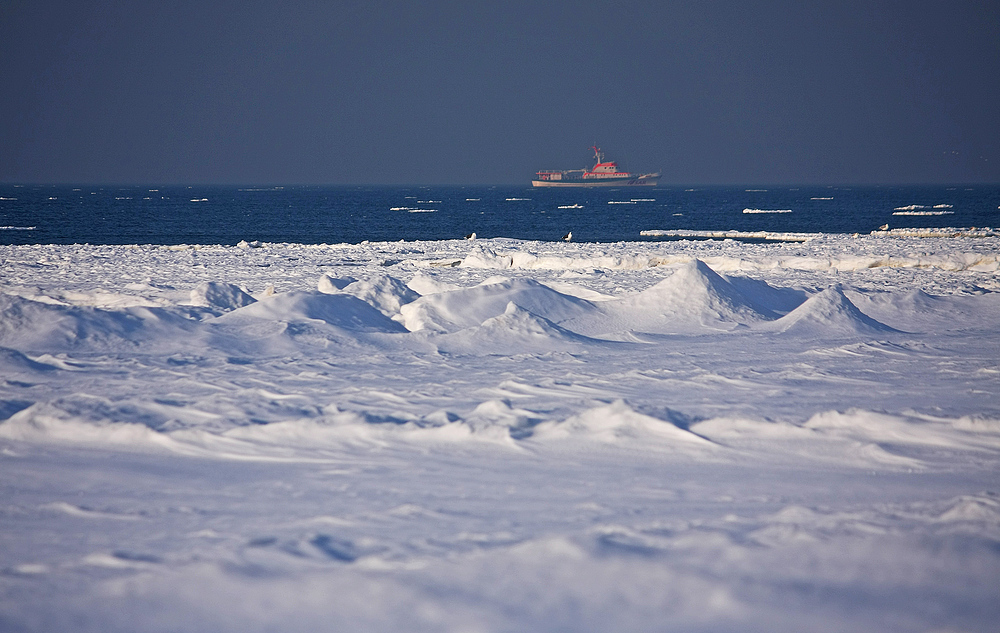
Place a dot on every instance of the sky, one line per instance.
(439, 92)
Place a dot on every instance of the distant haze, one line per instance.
(475, 93)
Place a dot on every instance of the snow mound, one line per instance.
(828, 313)
(515, 330)
(307, 436)
(497, 418)
(790, 443)
(694, 297)
(493, 422)
(426, 285)
(333, 285)
(618, 423)
(386, 294)
(482, 257)
(13, 361)
(220, 295)
(28, 325)
(469, 307)
(340, 310)
(50, 422)
(888, 304)
(980, 508)
(903, 432)
(520, 321)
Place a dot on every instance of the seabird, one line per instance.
(568, 236)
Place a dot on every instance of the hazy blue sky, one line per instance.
(468, 92)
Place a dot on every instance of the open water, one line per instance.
(33, 214)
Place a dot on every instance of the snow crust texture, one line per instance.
(497, 435)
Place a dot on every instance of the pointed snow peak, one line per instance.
(701, 270)
(516, 330)
(333, 285)
(830, 312)
(695, 290)
(340, 310)
(517, 320)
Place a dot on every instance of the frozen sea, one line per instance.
(757, 415)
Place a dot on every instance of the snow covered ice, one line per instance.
(501, 435)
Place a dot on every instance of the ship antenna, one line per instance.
(597, 153)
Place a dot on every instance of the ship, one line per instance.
(602, 174)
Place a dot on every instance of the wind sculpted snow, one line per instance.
(705, 436)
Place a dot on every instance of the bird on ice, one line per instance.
(568, 237)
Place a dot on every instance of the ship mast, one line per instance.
(597, 153)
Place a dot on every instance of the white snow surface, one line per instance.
(501, 435)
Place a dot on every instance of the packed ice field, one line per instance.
(501, 435)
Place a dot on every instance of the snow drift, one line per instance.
(468, 307)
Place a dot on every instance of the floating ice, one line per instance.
(764, 235)
(939, 232)
(914, 207)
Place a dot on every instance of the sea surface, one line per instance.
(68, 214)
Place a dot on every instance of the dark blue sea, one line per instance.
(45, 214)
